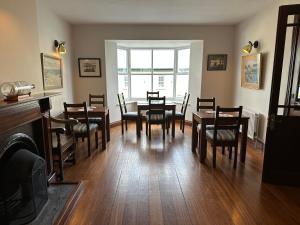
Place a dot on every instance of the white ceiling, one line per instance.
(157, 11)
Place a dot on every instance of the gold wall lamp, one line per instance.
(60, 46)
(248, 48)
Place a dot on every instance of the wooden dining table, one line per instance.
(208, 118)
(102, 112)
(144, 105)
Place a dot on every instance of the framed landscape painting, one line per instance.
(251, 71)
(52, 72)
(89, 67)
(216, 62)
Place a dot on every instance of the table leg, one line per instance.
(194, 135)
(103, 129)
(244, 141)
(107, 127)
(203, 142)
(138, 122)
(173, 122)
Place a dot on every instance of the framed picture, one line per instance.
(52, 72)
(217, 62)
(89, 67)
(251, 71)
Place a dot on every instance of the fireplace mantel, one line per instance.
(30, 116)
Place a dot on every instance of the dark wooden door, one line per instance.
(282, 149)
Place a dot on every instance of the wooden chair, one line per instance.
(156, 114)
(206, 104)
(226, 131)
(179, 115)
(63, 144)
(96, 100)
(85, 128)
(126, 116)
(152, 94)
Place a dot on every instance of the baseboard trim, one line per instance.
(115, 124)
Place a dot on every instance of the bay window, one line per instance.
(151, 69)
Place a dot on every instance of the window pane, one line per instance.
(183, 61)
(140, 84)
(141, 61)
(123, 85)
(163, 61)
(163, 84)
(182, 85)
(122, 61)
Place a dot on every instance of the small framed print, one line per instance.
(89, 67)
(52, 72)
(217, 62)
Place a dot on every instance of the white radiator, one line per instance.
(253, 123)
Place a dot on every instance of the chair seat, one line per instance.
(130, 114)
(96, 120)
(177, 114)
(222, 135)
(208, 127)
(81, 128)
(155, 117)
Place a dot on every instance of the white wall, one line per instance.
(19, 44)
(112, 80)
(89, 41)
(28, 28)
(50, 28)
(195, 79)
(261, 27)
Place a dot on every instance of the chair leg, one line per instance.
(214, 156)
(82, 139)
(89, 146)
(122, 125)
(230, 152)
(164, 130)
(61, 168)
(223, 150)
(137, 127)
(96, 139)
(146, 128)
(149, 131)
(235, 157)
(183, 125)
(167, 125)
(126, 125)
(74, 152)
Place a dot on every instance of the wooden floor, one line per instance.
(141, 182)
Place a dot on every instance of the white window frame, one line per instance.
(175, 72)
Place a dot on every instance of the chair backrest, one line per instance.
(185, 103)
(206, 103)
(228, 119)
(96, 100)
(157, 106)
(76, 111)
(152, 94)
(122, 103)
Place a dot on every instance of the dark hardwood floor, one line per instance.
(141, 182)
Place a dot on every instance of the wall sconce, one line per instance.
(60, 46)
(248, 48)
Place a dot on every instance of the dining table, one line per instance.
(144, 105)
(103, 113)
(208, 118)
